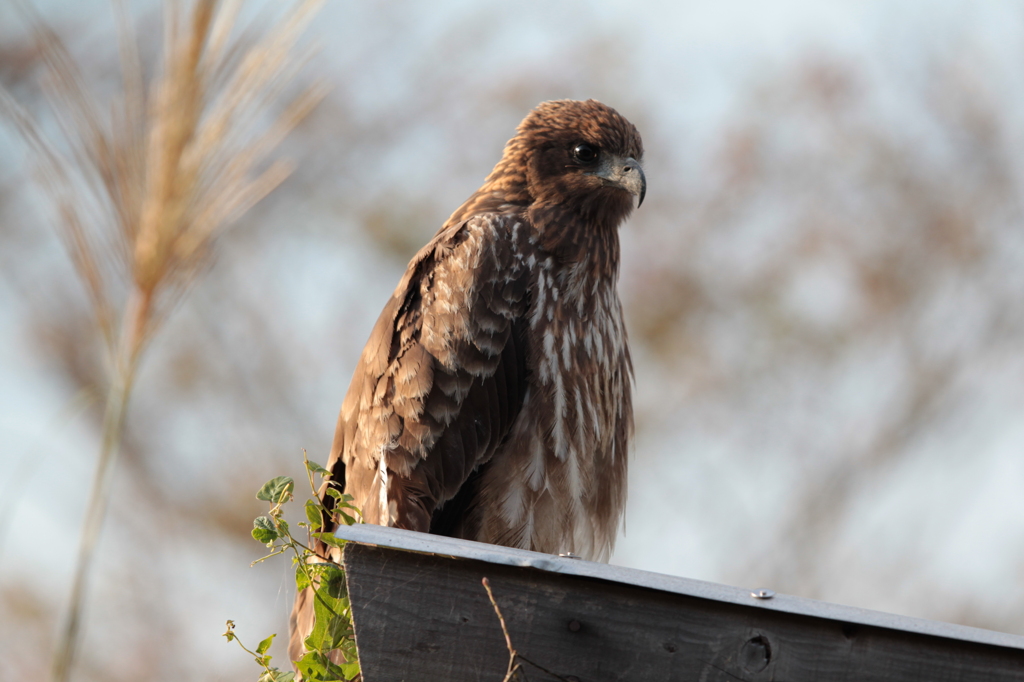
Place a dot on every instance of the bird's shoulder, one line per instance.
(443, 375)
(448, 322)
(468, 282)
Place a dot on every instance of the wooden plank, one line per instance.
(396, 538)
(425, 617)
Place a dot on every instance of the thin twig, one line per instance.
(513, 666)
(513, 655)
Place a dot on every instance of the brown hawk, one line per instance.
(493, 399)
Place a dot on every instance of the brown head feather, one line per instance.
(536, 170)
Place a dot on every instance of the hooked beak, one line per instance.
(625, 174)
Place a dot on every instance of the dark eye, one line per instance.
(585, 153)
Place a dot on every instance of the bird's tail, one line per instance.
(300, 625)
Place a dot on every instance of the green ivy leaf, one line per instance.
(310, 666)
(301, 579)
(275, 675)
(316, 666)
(329, 539)
(277, 490)
(343, 498)
(316, 468)
(333, 581)
(349, 650)
(263, 530)
(350, 670)
(263, 646)
(313, 514)
(332, 624)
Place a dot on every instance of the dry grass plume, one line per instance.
(144, 186)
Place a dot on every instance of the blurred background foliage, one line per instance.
(824, 295)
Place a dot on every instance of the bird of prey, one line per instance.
(493, 399)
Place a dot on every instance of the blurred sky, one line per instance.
(713, 490)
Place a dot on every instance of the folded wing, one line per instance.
(440, 381)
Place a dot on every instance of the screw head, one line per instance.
(762, 594)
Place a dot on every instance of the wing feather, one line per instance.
(441, 378)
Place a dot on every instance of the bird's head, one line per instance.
(578, 156)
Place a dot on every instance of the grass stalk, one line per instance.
(126, 361)
(99, 498)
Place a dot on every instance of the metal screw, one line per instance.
(570, 555)
(762, 594)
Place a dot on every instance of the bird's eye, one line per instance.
(584, 153)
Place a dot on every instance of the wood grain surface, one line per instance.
(421, 617)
